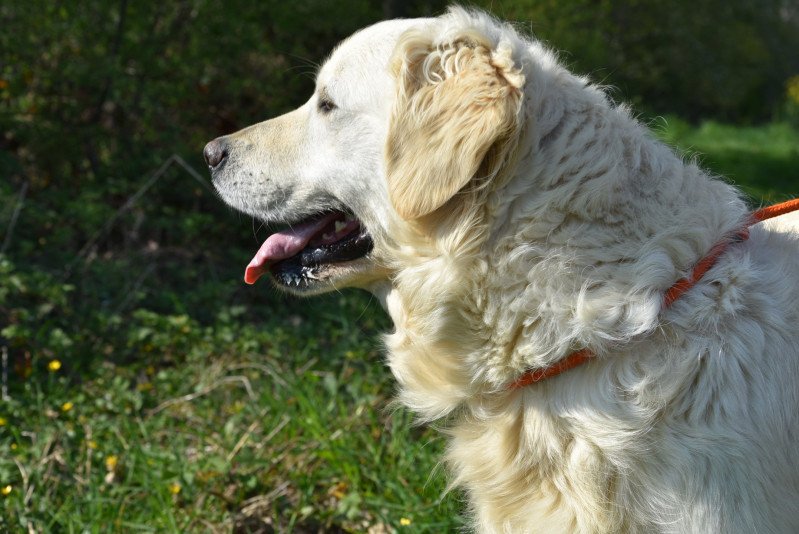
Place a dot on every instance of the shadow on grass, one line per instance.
(253, 525)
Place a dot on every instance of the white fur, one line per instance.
(559, 227)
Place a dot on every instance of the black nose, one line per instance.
(215, 153)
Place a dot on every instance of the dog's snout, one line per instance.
(215, 153)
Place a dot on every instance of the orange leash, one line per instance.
(580, 357)
(769, 212)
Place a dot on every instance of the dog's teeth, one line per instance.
(340, 225)
(327, 236)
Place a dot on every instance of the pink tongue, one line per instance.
(284, 245)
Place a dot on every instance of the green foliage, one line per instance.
(172, 424)
(148, 389)
(727, 59)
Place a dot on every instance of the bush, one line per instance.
(721, 59)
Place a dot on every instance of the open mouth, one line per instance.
(300, 255)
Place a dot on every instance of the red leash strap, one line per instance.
(684, 284)
(542, 373)
(673, 293)
(776, 210)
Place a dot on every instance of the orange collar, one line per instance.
(582, 356)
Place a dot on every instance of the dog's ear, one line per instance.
(455, 102)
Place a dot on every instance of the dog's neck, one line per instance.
(595, 207)
(538, 285)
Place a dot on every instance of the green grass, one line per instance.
(198, 405)
(763, 160)
(282, 420)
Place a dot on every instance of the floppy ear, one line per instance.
(455, 102)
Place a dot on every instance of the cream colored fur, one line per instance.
(519, 215)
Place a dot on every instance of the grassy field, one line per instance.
(173, 399)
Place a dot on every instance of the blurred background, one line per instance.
(144, 387)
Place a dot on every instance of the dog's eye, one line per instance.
(326, 105)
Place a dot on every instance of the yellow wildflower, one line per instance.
(111, 462)
(404, 521)
(5, 490)
(67, 406)
(13, 446)
(91, 444)
(54, 366)
(3, 421)
(339, 491)
(174, 488)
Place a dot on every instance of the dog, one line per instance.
(508, 214)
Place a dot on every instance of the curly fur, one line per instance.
(520, 215)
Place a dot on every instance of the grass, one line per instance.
(233, 426)
(762, 160)
(182, 402)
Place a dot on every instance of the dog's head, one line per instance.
(409, 119)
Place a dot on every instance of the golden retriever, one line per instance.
(508, 214)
